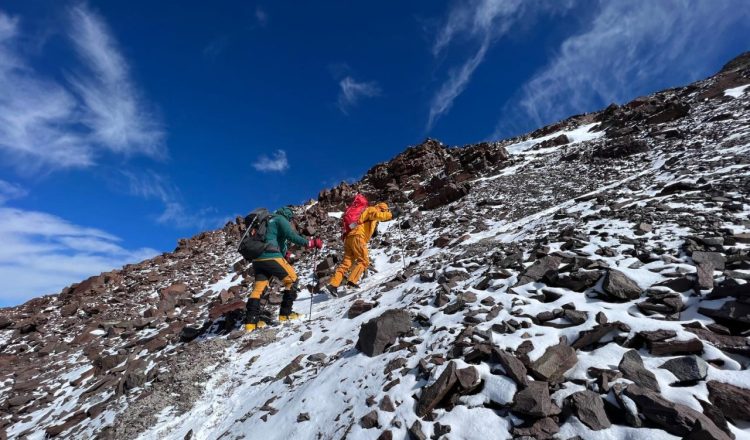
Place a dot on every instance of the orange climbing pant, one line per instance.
(356, 258)
(272, 267)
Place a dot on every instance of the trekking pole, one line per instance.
(314, 277)
(401, 244)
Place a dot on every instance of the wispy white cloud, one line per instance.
(626, 48)
(37, 115)
(119, 118)
(42, 253)
(215, 47)
(9, 191)
(50, 124)
(457, 81)
(277, 163)
(151, 185)
(479, 23)
(352, 91)
(261, 16)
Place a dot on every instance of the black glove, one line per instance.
(396, 211)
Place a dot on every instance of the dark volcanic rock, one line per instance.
(733, 314)
(449, 193)
(578, 281)
(687, 368)
(433, 394)
(541, 429)
(55, 430)
(359, 307)
(589, 408)
(672, 417)
(188, 334)
(730, 344)
(632, 368)
(386, 404)
(223, 309)
(621, 147)
(681, 284)
(727, 288)
(604, 377)
(672, 112)
(415, 431)
(369, 420)
(671, 348)
(378, 333)
(715, 258)
(386, 435)
(513, 367)
(553, 364)
(733, 401)
(534, 401)
(468, 378)
(590, 337)
(293, 367)
(619, 286)
(540, 268)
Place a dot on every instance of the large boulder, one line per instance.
(730, 344)
(534, 401)
(733, 314)
(733, 401)
(631, 366)
(672, 417)
(589, 408)
(716, 259)
(687, 368)
(553, 364)
(378, 333)
(451, 381)
(579, 280)
(513, 367)
(618, 286)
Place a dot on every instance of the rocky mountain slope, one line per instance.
(587, 280)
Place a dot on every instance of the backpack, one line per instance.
(253, 242)
(350, 219)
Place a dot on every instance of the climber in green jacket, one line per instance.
(272, 263)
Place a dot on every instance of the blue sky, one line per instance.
(125, 125)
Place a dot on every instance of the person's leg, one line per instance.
(286, 273)
(361, 259)
(343, 267)
(252, 308)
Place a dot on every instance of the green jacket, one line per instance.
(278, 232)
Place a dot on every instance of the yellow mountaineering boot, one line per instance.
(291, 317)
(287, 302)
(252, 311)
(250, 327)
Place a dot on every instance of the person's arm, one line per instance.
(375, 214)
(288, 233)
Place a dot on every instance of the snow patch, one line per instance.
(736, 92)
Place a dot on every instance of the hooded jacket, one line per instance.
(279, 232)
(369, 219)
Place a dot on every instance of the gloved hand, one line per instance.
(288, 256)
(315, 243)
(396, 212)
